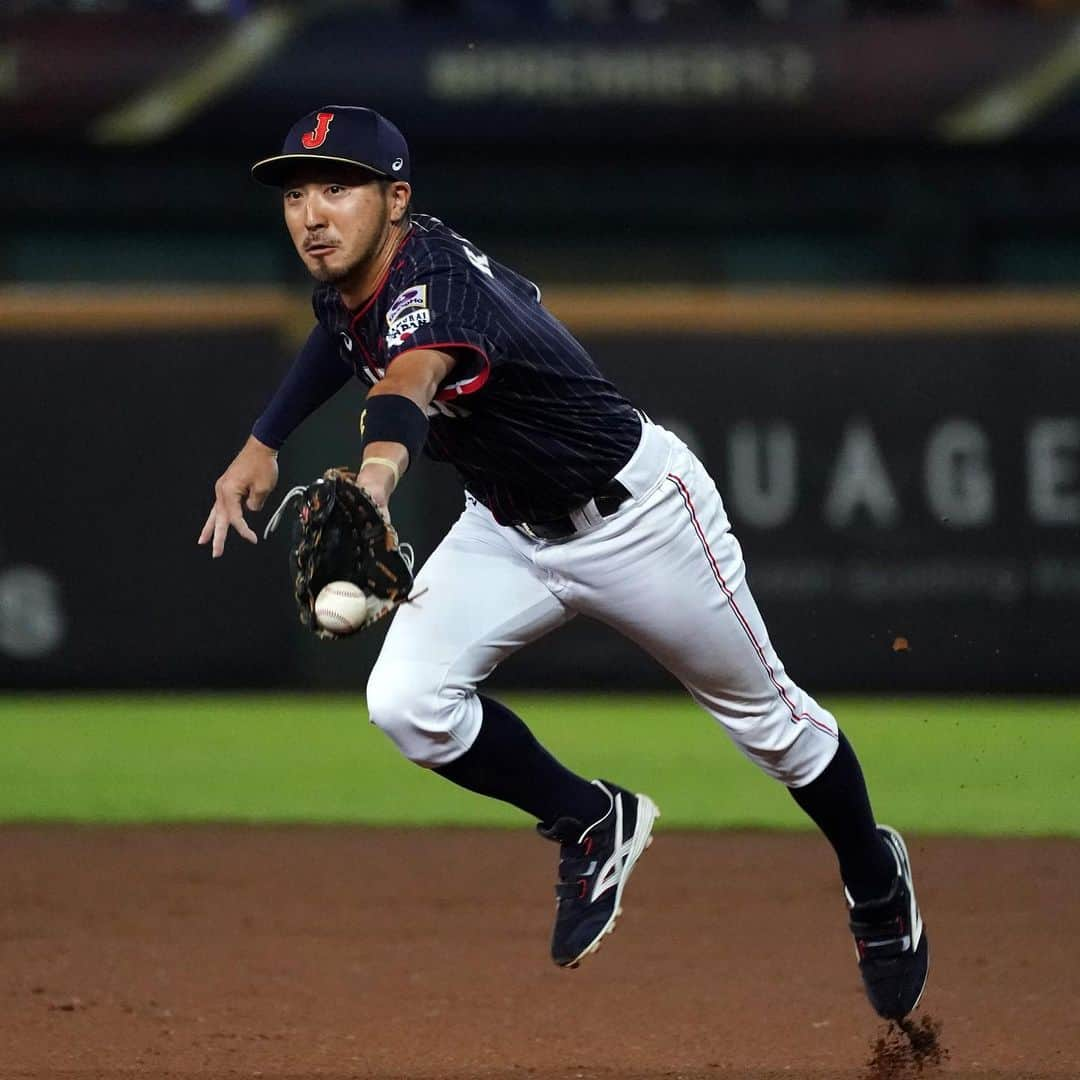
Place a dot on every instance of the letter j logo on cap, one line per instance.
(312, 140)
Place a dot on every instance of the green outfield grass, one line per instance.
(944, 765)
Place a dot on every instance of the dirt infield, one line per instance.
(355, 954)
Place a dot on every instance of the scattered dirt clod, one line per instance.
(907, 1048)
(70, 1005)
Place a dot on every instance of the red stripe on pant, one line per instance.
(748, 630)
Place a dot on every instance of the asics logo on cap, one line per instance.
(397, 163)
(312, 140)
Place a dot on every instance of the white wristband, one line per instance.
(384, 461)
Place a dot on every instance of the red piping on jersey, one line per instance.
(381, 283)
(747, 629)
(458, 389)
(368, 362)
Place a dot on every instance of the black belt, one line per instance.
(605, 502)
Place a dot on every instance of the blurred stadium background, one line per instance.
(833, 243)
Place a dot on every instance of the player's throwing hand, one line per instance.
(252, 475)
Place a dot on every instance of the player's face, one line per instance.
(339, 222)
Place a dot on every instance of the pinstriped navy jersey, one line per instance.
(532, 426)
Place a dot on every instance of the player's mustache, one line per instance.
(317, 241)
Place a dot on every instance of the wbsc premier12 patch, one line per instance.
(408, 300)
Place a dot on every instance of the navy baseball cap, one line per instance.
(346, 134)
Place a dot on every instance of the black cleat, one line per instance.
(594, 864)
(890, 940)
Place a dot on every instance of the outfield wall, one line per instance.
(903, 471)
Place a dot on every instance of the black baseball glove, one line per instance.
(341, 536)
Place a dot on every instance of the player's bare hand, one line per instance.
(250, 478)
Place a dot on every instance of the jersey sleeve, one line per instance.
(446, 306)
(316, 375)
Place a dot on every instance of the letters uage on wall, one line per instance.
(960, 475)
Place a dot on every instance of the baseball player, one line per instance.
(575, 503)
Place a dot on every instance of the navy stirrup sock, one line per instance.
(840, 807)
(507, 763)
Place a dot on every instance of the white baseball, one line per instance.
(341, 607)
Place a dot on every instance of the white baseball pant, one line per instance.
(664, 570)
